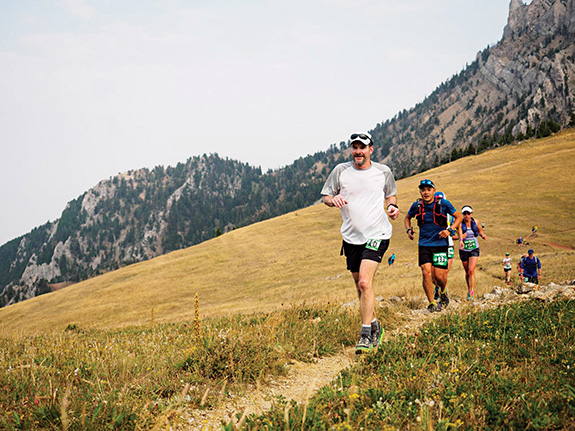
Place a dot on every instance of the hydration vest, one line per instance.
(439, 218)
(473, 227)
(530, 265)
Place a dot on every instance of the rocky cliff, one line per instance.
(521, 87)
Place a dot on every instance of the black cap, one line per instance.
(426, 183)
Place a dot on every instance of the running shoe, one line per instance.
(363, 345)
(436, 294)
(469, 296)
(444, 299)
(432, 308)
(376, 333)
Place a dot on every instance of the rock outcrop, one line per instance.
(523, 86)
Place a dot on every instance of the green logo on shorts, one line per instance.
(440, 259)
(373, 244)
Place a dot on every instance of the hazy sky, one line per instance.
(91, 88)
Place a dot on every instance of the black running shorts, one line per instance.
(437, 256)
(464, 255)
(354, 254)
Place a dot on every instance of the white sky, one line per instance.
(91, 88)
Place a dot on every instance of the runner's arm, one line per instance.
(334, 201)
(391, 207)
(457, 219)
(480, 229)
(455, 226)
(408, 229)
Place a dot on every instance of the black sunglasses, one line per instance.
(359, 135)
(466, 213)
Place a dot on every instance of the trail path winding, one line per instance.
(304, 379)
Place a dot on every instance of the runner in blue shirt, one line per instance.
(531, 267)
(431, 214)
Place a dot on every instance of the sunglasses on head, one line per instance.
(365, 139)
(359, 135)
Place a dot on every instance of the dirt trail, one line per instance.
(563, 247)
(301, 383)
(304, 379)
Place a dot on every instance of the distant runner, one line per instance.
(531, 268)
(431, 214)
(365, 192)
(469, 231)
(507, 268)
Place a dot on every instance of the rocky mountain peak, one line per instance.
(540, 18)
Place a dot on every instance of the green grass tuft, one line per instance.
(506, 368)
(137, 377)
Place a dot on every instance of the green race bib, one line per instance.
(469, 244)
(440, 259)
(373, 244)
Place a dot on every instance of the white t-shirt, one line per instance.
(365, 190)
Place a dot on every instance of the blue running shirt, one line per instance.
(429, 231)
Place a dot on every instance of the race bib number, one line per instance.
(440, 259)
(373, 244)
(450, 253)
(469, 244)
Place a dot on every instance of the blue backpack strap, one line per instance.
(474, 227)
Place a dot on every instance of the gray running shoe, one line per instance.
(363, 345)
(444, 299)
(432, 308)
(376, 333)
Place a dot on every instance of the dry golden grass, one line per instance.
(295, 258)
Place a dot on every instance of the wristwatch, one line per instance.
(449, 229)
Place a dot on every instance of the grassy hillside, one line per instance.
(295, 258)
